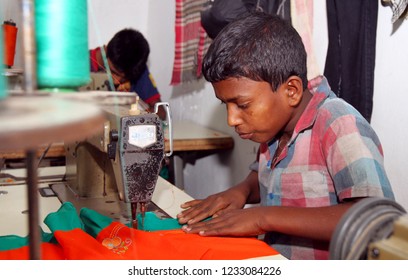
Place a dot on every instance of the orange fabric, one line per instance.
(78, 245)
(177, 245)
(49, 251)
(119, 242)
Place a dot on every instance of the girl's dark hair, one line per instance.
(128, 50)
(259, 46)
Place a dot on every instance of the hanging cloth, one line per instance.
(350, 61)
(302, 20)
(191, 41)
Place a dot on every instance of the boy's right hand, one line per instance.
(198, 210)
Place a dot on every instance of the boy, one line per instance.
(317, 154)
(127, 53)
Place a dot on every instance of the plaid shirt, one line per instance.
(333, 154)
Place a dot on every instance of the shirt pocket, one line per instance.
(310, 184)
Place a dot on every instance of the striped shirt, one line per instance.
(334, 154)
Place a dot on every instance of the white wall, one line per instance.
(106, 17)
(390, 114)
(196, 101)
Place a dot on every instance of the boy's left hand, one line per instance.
(125, 87)
(239, 222)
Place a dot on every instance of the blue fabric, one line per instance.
(145, 87)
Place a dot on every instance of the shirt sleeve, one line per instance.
(146, 88)
(355, 158)
(93, 60)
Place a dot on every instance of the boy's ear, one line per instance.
(294, 90)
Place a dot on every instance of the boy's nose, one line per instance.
(233, 117)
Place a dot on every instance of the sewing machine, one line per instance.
(374, 228)
(120, 166)
(99, 82)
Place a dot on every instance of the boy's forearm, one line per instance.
(312, 222)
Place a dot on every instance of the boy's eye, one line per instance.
(242, 106)
(239, 105)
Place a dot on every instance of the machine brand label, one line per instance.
(142, 135)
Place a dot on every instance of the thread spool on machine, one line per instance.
(10, 39)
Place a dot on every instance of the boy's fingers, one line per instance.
(189, 204)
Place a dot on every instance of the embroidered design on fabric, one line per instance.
(115, 243)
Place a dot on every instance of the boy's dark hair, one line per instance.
(128, 50)
(260, 47)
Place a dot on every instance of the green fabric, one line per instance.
(164, 173)
(10, 242)
(154, 223)
(94, 222)
(65, 219)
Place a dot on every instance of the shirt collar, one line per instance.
(320, 89)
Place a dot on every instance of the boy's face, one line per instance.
(254, 110)
(117, 76)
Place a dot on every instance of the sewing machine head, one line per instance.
(125, 159)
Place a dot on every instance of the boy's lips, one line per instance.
(245, 135)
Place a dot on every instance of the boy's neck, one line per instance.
(306, 97)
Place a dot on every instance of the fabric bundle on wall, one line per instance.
(399, 9)
(191, 41)
(350, 62)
